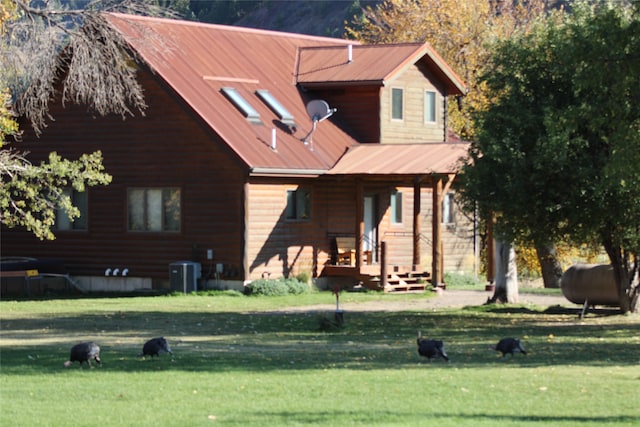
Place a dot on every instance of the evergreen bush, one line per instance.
(276, 287)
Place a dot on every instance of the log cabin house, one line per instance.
(263, 154)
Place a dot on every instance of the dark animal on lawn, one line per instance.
(431, 348)
(509, 345)
(84, 352)
(155, 346)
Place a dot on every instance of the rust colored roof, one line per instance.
(396, 159)
(370, 64)
(198, 60)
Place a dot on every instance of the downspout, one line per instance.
(245, 244)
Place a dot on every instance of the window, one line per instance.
(397, 103)
(448, 209)
(298, 204)
(396, 207)
(283, 114)
(153, 209)
(79, 200)
(430, 106)
(241, 104)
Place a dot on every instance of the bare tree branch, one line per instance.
(73, 51)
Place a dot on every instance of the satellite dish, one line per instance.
(318, 110)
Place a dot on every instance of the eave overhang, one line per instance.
(286, 173)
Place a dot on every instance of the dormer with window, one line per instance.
(387, 94)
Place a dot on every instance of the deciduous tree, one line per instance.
(48, 50)
(556, 154)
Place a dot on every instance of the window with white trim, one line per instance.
(298, 205)
(79, 200)
(430, 106)
(448, 209)
(397, 103)
(153, 209)
(396, 207)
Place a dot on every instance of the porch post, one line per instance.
(359, 223)
(417, 223)
(383, 264)
(436, 262)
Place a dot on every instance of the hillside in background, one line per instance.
(320, 18)
(315, 17)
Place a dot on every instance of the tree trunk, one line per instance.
(549, 264)
(506, 282)
(626, 275)
(628, 289)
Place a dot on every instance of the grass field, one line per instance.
(248, 361)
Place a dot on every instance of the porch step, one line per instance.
(408, 282)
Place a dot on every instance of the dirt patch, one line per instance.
(444, 299)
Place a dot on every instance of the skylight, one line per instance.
(284, 115)
(241, 104)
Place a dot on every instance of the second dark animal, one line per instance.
(155, 346)
(84, 352)
(431, 348)
(509, 345)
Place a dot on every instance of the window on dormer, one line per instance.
(241, 104)
(430, 106)
(397, 103)
(283, 114)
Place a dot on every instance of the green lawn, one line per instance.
(236, 362)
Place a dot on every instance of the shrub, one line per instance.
(304, 277)
(457, 280)
(297, 287)
(279, 287)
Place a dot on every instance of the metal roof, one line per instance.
(198, 60)
(402, 159)
(370, 64)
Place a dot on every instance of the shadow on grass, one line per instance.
(554, 309)
(73, 294)
(549, 420)
(376, 417)
(213, 341)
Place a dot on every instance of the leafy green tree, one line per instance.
(47, 49)
(556, 153)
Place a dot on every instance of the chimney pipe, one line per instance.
(273, 139)
(350, 53)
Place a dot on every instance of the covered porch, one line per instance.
(365, 260)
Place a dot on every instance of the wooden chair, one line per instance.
(346, 250)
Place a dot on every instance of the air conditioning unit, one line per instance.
(184, 275)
